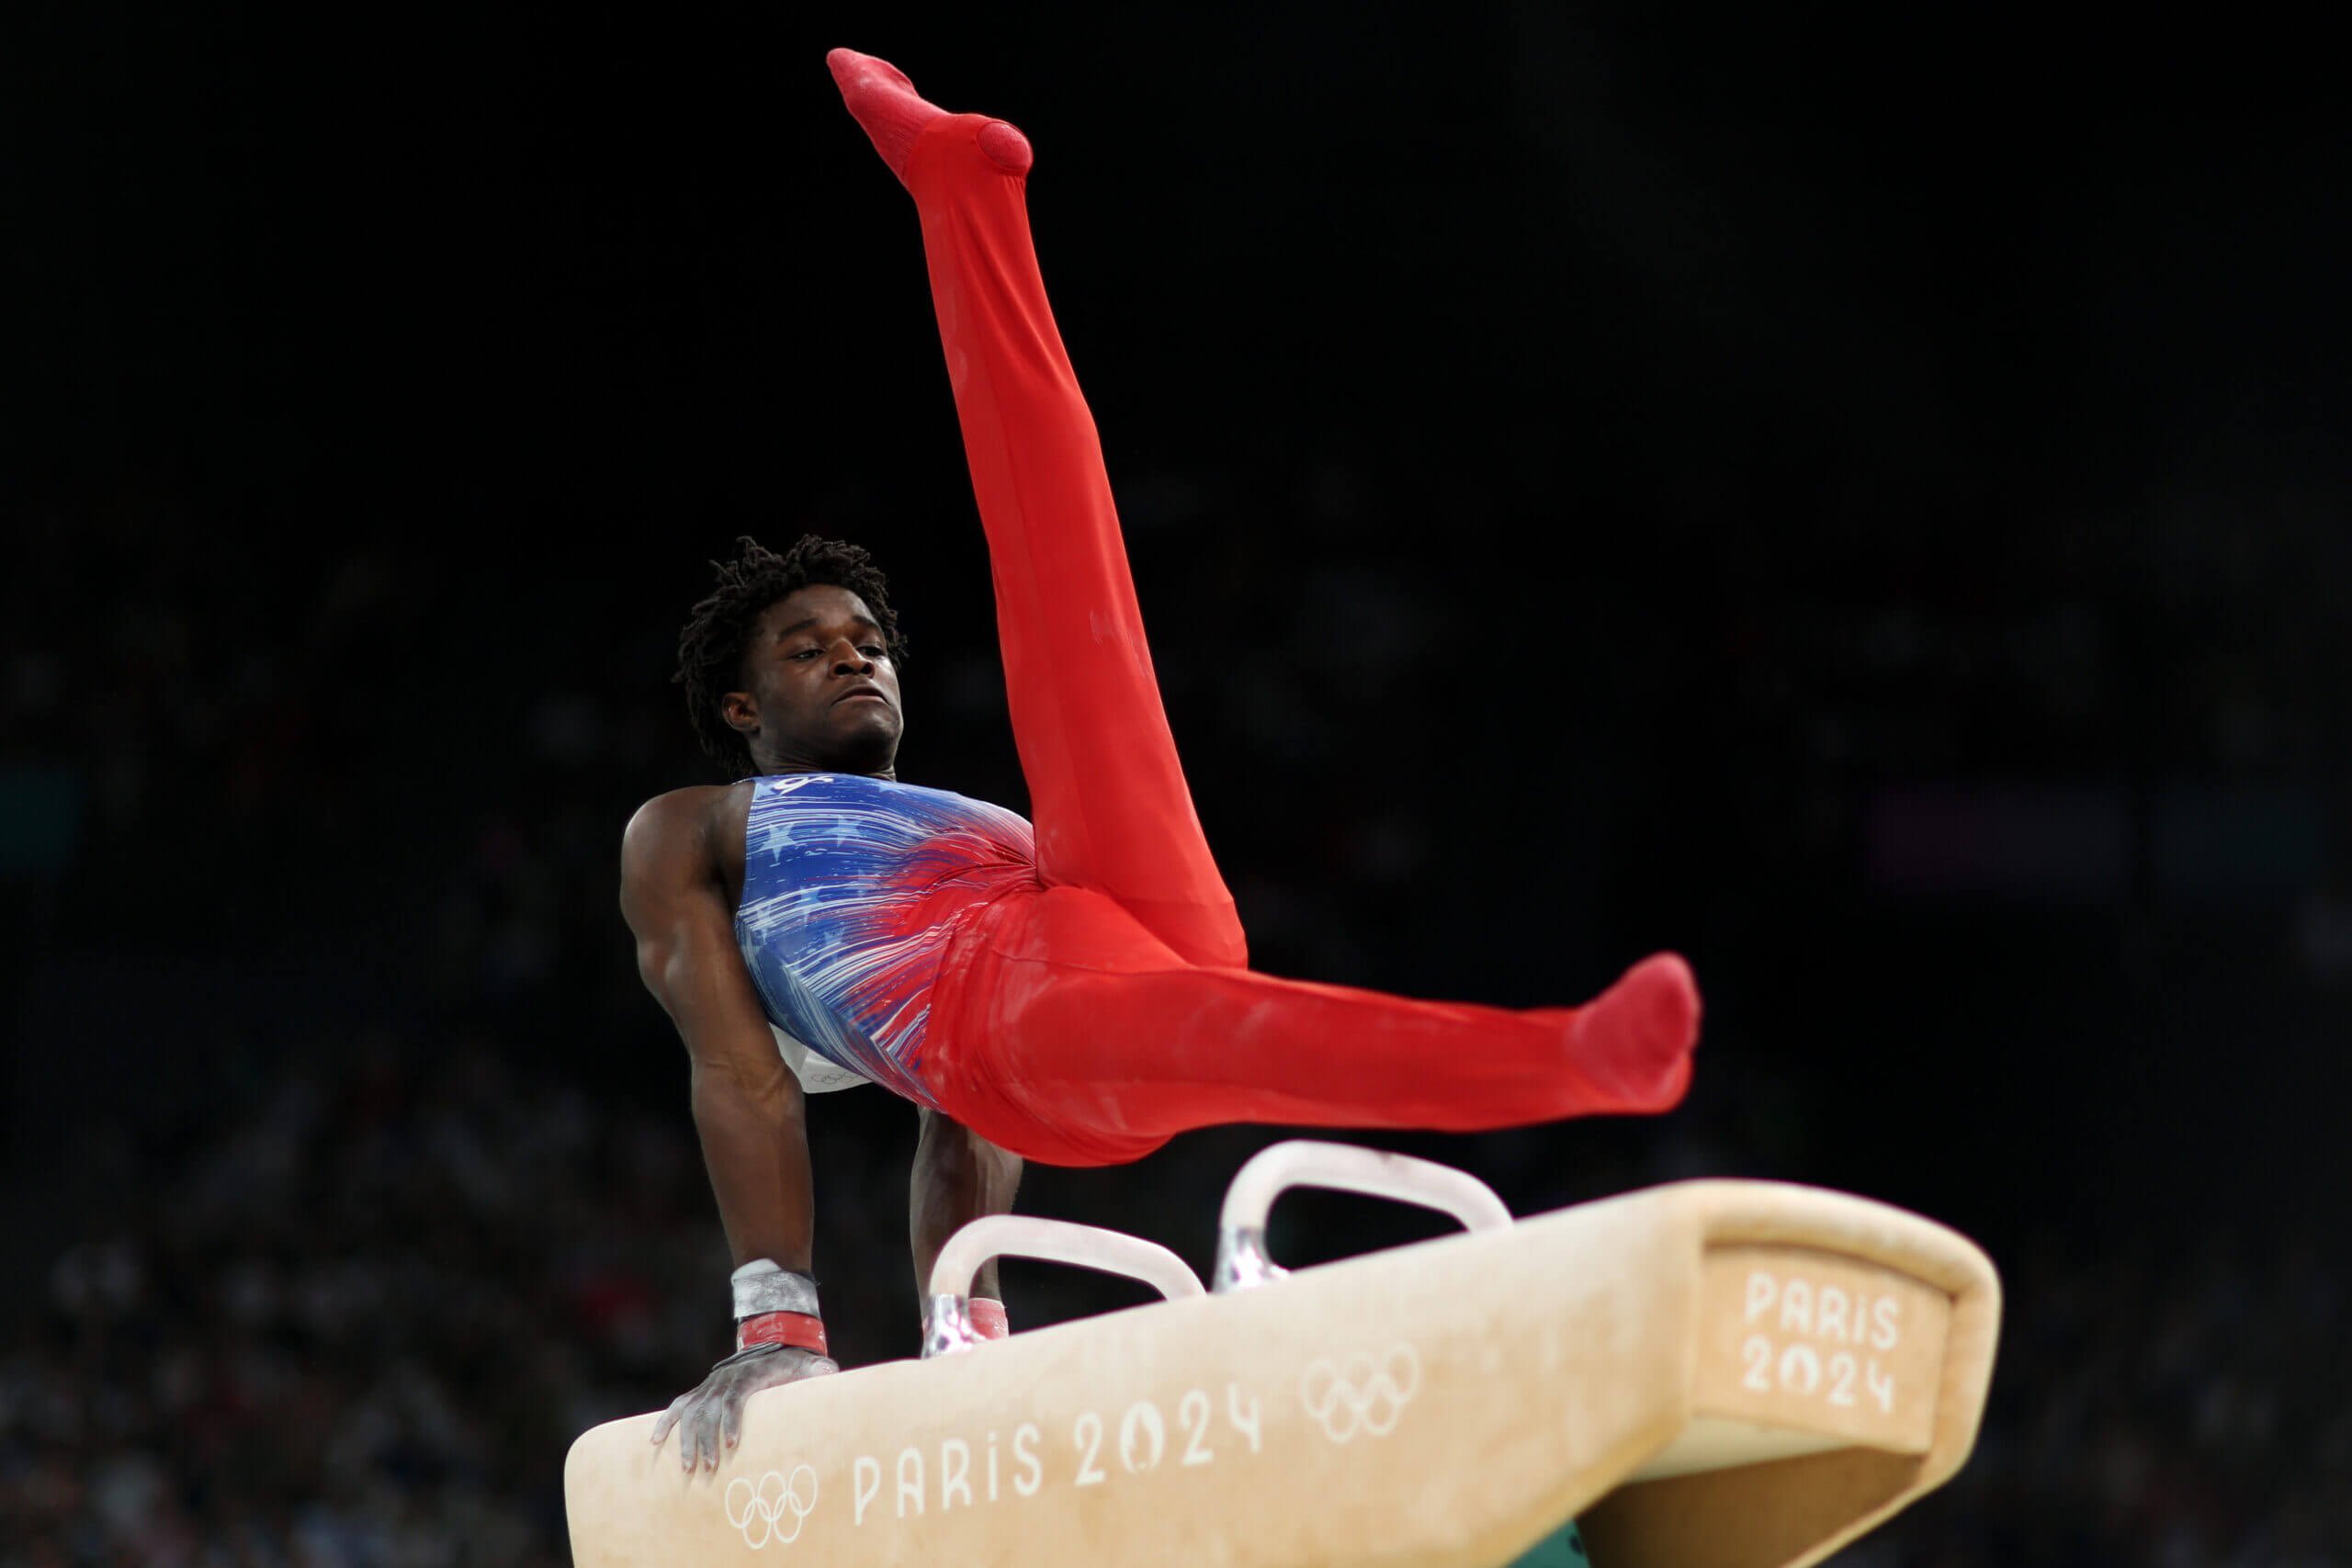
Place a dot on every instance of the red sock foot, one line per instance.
(882, 100)
(1634, 1040)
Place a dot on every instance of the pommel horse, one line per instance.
(1709, 1375)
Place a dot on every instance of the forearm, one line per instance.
(755, 1146)
(958, 1177)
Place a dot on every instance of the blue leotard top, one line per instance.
(849, 884)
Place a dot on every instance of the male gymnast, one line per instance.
(1076, 992)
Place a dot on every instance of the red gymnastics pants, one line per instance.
(1088, 1020)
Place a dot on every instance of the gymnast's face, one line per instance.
(821, 693)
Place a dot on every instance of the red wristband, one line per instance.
(795, 1328)
(988, 1318)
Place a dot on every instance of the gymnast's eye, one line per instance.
(806, 653)
(876, 651)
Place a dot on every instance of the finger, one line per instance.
(731, 1421)
(707, 1437)
(667, 1419)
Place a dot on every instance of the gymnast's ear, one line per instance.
(742, 714)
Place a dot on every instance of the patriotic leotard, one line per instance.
(849, 886)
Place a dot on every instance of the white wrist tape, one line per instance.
(763, 1286)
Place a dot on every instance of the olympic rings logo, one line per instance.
(760, 1513)
(1364, 1394)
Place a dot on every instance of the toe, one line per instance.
(852, 69)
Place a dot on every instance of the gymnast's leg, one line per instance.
(1079, 1040)
(1107, 794)
(1092, 1020)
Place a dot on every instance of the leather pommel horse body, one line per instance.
(1711, 1375)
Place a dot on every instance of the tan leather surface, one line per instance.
(1442, 1405)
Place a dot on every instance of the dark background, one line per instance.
(1855, 499)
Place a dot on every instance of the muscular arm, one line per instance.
(748, 1107)
(958, 1175)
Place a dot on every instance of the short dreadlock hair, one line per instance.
(712, 643)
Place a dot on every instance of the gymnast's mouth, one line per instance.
(874, 692)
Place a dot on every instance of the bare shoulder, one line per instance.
(677, 833)
(679, 888)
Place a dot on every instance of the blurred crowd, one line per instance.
(359, 1320)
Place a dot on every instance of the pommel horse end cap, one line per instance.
(1711, 1375)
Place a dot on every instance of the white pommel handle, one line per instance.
(1241, 1259)
(947, 1322)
